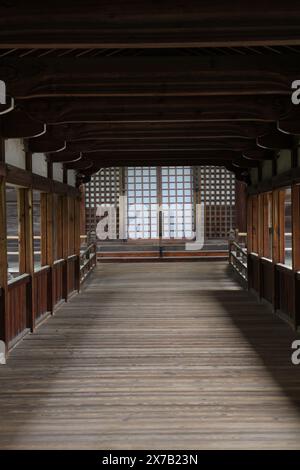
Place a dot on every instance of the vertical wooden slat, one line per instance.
(27, 249)
(43, 203)
(50, 249)
(255, 224)
(240, 206)
(281, 225)
(65, 245)
(276, 220)
(77, 231)
(249, 224)
(296, 226)
(260, 224)
(3, 264)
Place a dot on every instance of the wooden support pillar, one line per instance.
(241, 206)
(48, 238)
(296, 250)
(65, 205)
(65, 175)
(278, 247)
(274, 165)
(122, 232)
(77, 243)
(3, 265)
(82, 210)
(296, 226)
(249, 224)
(26, 248)
(50, 170)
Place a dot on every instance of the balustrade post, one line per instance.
(3, 265)
(65, 247)
(77, 232)
(26, 247)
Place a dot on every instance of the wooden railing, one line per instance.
(238, 260)
(58, 282)
(284, 300)
(19, 319)
(88, 260)
(42, 293)
(72, 274)
(266, 280)
(31, 298)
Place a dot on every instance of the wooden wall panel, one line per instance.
(270, 278)
(3, 264)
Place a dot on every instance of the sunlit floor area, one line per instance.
(150, 356)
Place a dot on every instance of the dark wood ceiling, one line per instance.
(149, 83)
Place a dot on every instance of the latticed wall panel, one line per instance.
(169, 186)
(102, 190)
(141, 184)
(217, 193)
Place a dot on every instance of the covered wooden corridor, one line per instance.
(135, 137)
(156, 355)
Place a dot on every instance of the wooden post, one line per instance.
(276, 245)
(47, 226)
(3, 265)
(77, 231)
(65, 245)
(241, 206)
(249, 224)
(82, 210)
(296, 226)
(26, 244)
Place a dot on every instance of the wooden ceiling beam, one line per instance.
(259, 154)
(289, 126)
(18, 124)
(98, 156)
(8, 107)
(160, 145)
(148, 24)
(151, 76)
(184, 161)
(138, 109)
(276, 140)
(45, 146)
(158, 130)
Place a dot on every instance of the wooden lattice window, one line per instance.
(217, 194)
(177, 201)
(142, 202)
(102, 190)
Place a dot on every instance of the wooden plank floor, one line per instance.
(154, 356)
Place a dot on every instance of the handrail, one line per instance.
(71, 257)
(90, 248)
(19, 280)
(88, 260)
(241, 248)
(58, 261)
(238, 259)
(42, 268)
(284, 268)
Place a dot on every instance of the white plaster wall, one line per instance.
(72, 177)
(39, 164)
(254, 175)
(58, 172)
(284, 161)
(15, 153)
(266, 169)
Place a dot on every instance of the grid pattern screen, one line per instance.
(217, 189)
(142, 200)
(177, 201)
(102, 190)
